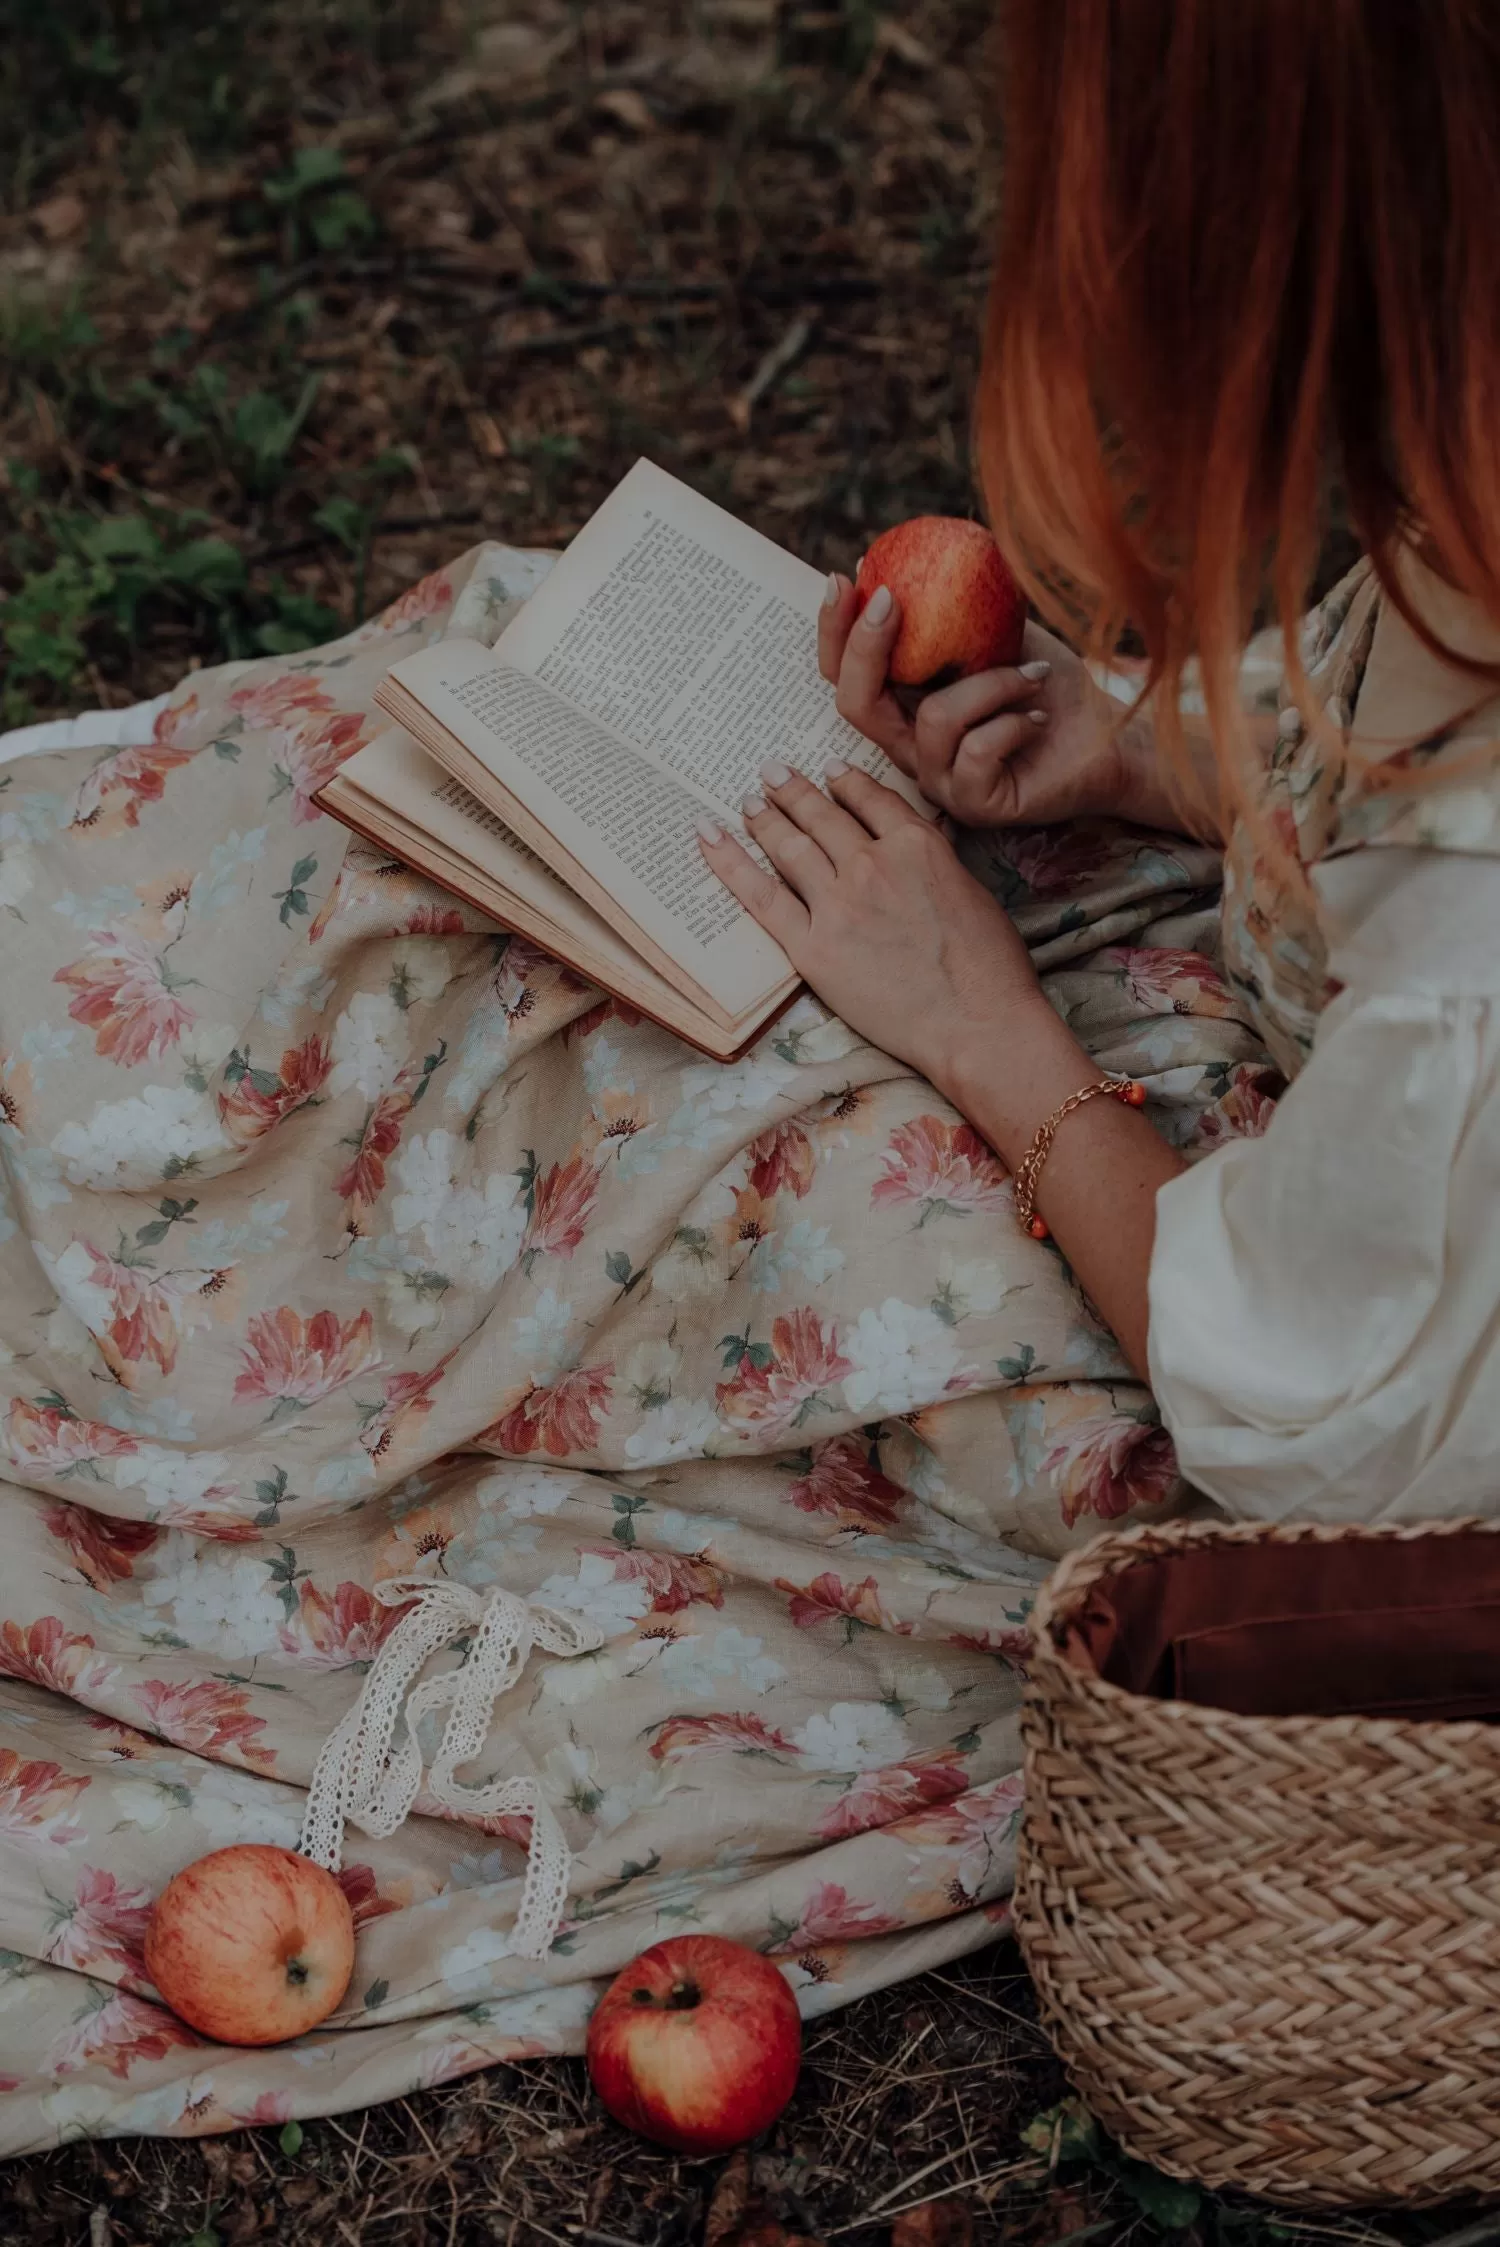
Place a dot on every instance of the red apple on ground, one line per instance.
(251, 1945)
(697, 2045)
(961, 610)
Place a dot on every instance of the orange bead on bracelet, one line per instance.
(1124, 1089)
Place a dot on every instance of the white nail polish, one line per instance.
(878, 607)
(1037, 670)
(710, 830)
(774, 773)
(753, 805)
(835, 768)
(831, 593)
(1037, 717)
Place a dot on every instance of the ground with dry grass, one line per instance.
(298, 298)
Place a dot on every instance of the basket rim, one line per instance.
(1070, 1583)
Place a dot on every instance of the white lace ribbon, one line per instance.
(368, 1776)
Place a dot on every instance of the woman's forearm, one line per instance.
(1099, 1185)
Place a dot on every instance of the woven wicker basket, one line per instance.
(1267, 1948)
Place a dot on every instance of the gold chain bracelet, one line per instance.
(1124, 1089)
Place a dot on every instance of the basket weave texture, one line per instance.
(1267, 1949)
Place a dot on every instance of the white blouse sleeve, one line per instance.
(1325, 1300)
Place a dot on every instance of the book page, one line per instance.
(694, 637)
(620, 830)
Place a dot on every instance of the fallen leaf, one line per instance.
(628, 108)
(61, 216)
(731, 2194)
(937, 2223)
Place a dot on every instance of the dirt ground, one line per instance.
(297, 299)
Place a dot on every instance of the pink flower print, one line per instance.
(735, 1733)
(115, 2031)
(254, 1101)
(783, 1158)
(128, 997)
(562, 1204)
(151, 1312)
(879, 1798)
(1110, 1465)
(944, 1167)
(286, 698)
(1244, 1111)
(47, 1439)
(1050, 860)
(140, 772)
(359, 1886)
(338, 1632)
(271, 2107)
(207, 1717)
(405, 1399)
(845, 1482)
(978, 1826)
(559, 1420)
(831, 1915)
(828, 1598)
(36, 1801)
(774, 1387)
(315, 753)
(1163, 980)
(674, 1580)
(428, 597)
(432, 920)
(363, 1182)
(105, 1548)
(295, 1362)
(101, 1931)
(48, 1654)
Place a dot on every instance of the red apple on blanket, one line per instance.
(251, 1945)
(961, 610)
(697, 2045)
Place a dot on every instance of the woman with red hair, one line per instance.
(1249, 273)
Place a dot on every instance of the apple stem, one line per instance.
(296, 1971)
(685, 1995)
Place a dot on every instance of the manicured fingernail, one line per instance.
(753, 805)
(1037, 670)
(834, 768)
(710, 830)
(1037, 717)
(878, 607)
(831, 593)
(774, 773)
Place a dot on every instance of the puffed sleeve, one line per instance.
(1325, 1300)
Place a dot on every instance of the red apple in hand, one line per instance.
(251, 1945)
(696, 2045)
(961, 610)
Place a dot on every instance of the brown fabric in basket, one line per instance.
(1359, 1626)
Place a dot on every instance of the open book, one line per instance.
(556, 780)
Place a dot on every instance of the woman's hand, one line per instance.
(1020, 745)
(874, 909)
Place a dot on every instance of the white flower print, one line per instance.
(541, 1335)
(176, 1481)
(370, 1042)
(17, 874)
(420, 970)
(648, 1372)
(699, 1663)
(220, 1606)
(593, 1593)
(44, 1043)
(918, 1686)
(234, 1806)
(903, 1356)
(148, 1804)
(131, 1143)
(569, 1778)
(214, 888)
(77, 1289)
(302, 990)
(473, 1233)
(715, 1088)
(604, 1069)
(99, 909)
(853, 1736)
(682, 1428)
(579, 1678)
(466, 1967)
(800, 1252)
(970, 1287)
(521, 1492)
(684, 1533)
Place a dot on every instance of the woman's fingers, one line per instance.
(765, 899)
(947, 717)
(983, 782)
(864, 696)
(835, 831)
(834, 620)
(796, 857)
(878, 809)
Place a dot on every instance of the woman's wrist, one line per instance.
(1007, 1072)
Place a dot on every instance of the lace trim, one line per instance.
(369, 1776)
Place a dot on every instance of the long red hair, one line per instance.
(1249, 265)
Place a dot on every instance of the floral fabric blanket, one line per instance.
(346, 1238)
